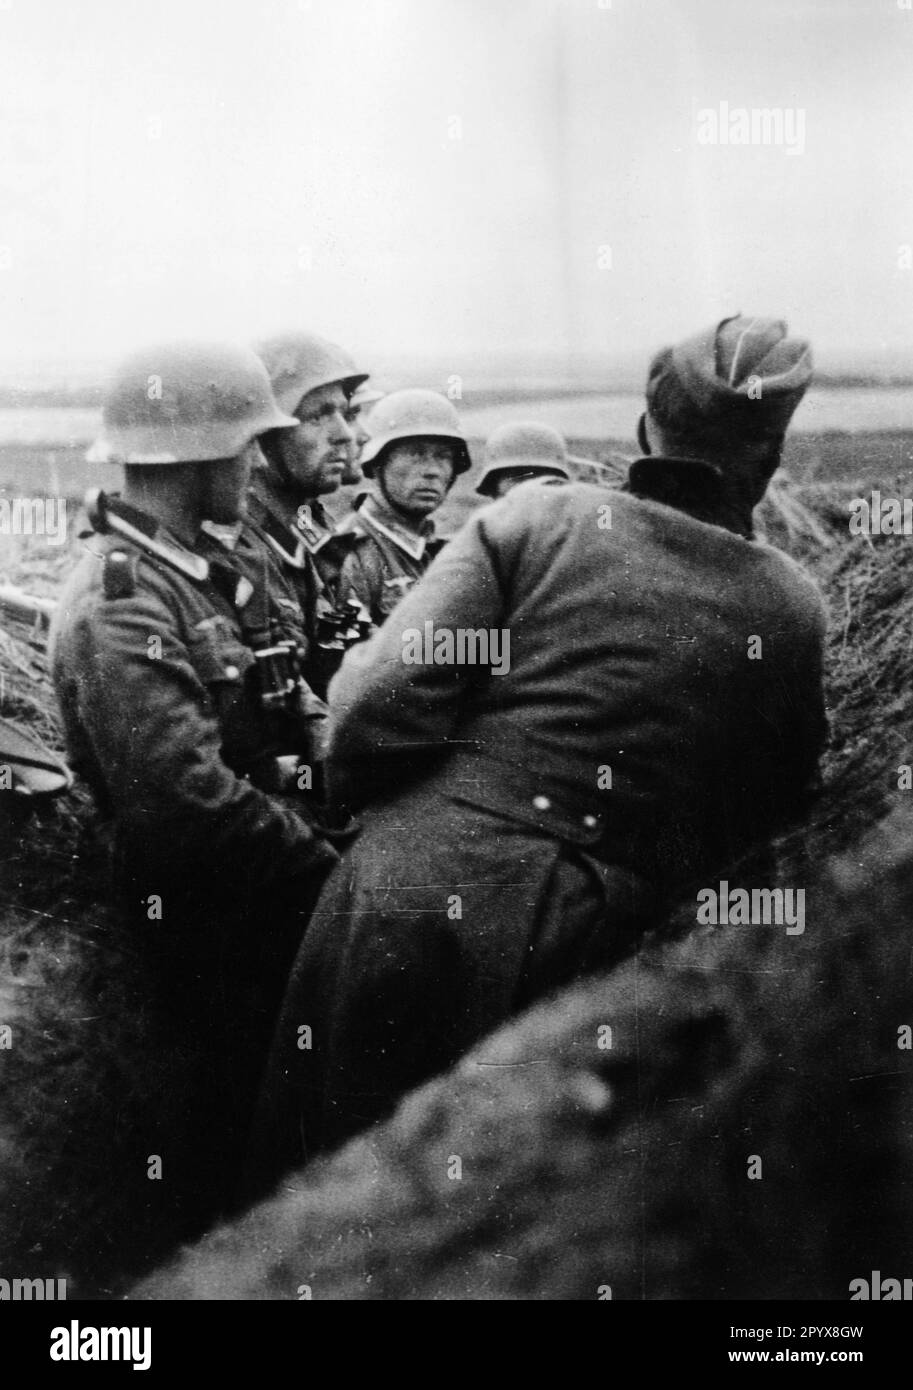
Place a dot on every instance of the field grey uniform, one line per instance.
(495, 863)
(383, 557)
(307, 551)
(153, 673)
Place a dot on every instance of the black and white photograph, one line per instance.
(456, 662)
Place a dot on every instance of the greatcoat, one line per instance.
(662, 713)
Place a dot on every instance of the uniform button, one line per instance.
(590, 822)
(542, 803)
(232, 672)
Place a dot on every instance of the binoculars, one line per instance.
(341, 627)
(278, 674)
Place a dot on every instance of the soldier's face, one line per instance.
(360, 437)
(316, 454)
(225, 485)
(417, 474)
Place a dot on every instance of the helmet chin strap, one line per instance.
(379, 479)
(643, 442)
(284, 475)
(278, 466)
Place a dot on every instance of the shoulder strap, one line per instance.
(109, 515)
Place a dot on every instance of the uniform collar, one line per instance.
(147, 525)
(293, 528)
(379, 515)
(694, 486)
(201, 562)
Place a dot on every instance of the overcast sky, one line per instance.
(450, 176)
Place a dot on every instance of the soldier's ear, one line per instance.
(643, 442)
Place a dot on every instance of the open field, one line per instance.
(836, 431)
(841, 435)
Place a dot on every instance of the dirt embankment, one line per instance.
(746, 1135)
(626, 1166)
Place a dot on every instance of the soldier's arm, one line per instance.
(152, 725)
(390, 714)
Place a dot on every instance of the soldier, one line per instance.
(661, 712)
(516, 453)
(415, 452)
(314, 381)
(183, 714)
(361, 399)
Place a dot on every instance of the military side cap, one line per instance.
(745, 373)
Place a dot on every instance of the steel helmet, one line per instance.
(186, 403)
(298, 363)
(32, 769)
(523, 446)
(413, 414)
(366, 396)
